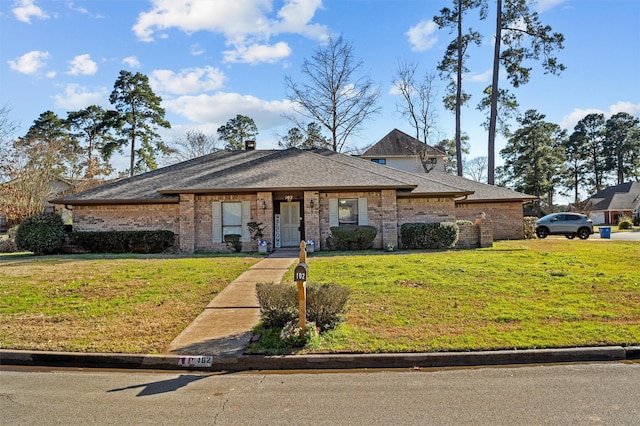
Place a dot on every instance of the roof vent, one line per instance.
(249, 145)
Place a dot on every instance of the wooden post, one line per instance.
(302, 291)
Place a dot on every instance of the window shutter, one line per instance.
(216, 215)
(246, 217)
(363, 212)
(333, 212)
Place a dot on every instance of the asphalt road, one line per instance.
(569, 394)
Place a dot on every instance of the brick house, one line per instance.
(615, 202)
(296, 194)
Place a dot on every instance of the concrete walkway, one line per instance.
(224, 329)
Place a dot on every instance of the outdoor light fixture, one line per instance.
(311, 203)
(264, 205)
(288, 198)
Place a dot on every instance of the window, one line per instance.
(379, 160)
(231, 218)
(348, 211)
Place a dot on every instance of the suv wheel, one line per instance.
(583, 233)
(542, 232)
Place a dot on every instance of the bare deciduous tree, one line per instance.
(334, 94)
(195, 143)
(418, 99)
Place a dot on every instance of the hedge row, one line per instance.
(429, 235)
(123, 241)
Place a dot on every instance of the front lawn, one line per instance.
(107, 303)
(518, 294)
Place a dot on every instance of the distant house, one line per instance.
(502, 206)
(404, 152)
(614, 202)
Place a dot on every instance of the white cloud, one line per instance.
(479, 78)
(76, 97)
(30, 63)
(196, 50)
(258, 53)
(247, 25)
(187, 81)
(131, 61)
(421, 36)
(83, 65)
(220, 107)
(24, 10)
(569, 121)
(544, 5)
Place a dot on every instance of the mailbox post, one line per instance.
(300, 275)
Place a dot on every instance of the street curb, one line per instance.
(318, 361)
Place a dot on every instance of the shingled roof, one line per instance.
(400, 144)
(482, 192)
(618, 197)
(262, 170)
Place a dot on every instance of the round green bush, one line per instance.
(625, 223)
(42, 233)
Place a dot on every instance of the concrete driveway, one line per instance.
(620, 236)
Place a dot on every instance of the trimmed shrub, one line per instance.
(636, 221)
(463, 222)
(279, 304)
(625, 223)
(234, 241)
(7, 245)
(351, 237)
(123, 241)
(326, 303)
(530, 227)
(429, 235)
(42, 233)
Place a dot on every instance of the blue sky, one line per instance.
(213, 59)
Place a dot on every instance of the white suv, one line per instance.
(567, 224)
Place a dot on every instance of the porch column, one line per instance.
(312, 217)
(264, 214)
(389, 217)
(187, 223)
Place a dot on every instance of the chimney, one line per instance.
(249, 145)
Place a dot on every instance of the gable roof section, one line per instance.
(399, 144)
(618, 197)
(259, 170)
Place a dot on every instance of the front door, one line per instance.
(290, 224)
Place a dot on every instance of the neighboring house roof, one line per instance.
(619, 197)
(399, 144)
(262, 170)
(482, 192)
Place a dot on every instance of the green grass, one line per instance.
(534, 294)
(517, 294)
(124, 303)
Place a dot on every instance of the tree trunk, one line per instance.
(494, 97)
(459, 93)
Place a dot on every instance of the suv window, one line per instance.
(572, 217)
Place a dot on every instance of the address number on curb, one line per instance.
(195, 361)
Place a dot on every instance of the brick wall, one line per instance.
(507, 217)
(142, 217)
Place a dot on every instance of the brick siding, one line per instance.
(507, 217)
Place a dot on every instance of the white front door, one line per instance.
(290, 224)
